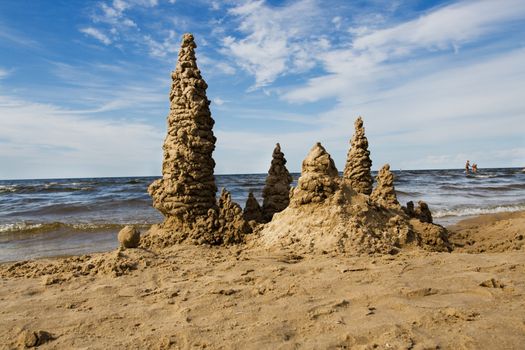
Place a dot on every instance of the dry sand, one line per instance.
(245, 298)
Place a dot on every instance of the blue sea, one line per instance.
(58, 217)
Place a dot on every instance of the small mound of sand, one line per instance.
(114, 264)
(492, 233)
(129, 237)
(31, 339)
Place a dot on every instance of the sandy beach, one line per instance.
(335, 258)
(244, 297)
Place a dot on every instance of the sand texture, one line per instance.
(490, 233)
(237, 297)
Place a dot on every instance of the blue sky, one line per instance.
(84, 84)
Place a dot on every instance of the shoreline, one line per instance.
(457, 225)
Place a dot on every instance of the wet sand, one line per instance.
(248, 298)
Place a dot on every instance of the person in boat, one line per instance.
(467, 166)
(474, 168)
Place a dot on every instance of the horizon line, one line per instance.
(233, 174)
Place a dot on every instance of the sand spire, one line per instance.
(186, 193)
(252, 209)
(276, 191)
(319, 177)
(231, 226)
(358, 162)
(384, 194)
(422, 212)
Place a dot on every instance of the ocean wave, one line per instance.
(32, 227)
(472, 211)
(51, 226)
(469, 188)
(7, 188)
(44, 188)
(408, 193)
(84, 207)
(103, 184)
(492, 176)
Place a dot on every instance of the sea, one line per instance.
(61, 217)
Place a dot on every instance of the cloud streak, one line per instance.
(4, 73)
(97, 34)
(366, 62)
(276, 39)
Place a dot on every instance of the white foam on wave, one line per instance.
(18, 226)
(477, 211)
(8, 188)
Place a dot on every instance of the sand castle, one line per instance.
(324, 212)
(186, 193)
(277, 188)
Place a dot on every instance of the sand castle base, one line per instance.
(348, 224)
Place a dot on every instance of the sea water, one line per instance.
(56, 217)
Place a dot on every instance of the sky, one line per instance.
(84, 84)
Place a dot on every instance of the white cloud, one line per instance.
(451, 25)
(218, 101)
(17, 38)
(97, 34)
(277, 38)
(215, 5)
(169, 45)
(113, 24)
(337, 20)
(120, 5)
(62, 144)
(113, 14)
(213, 66)
(367, 59)
(148, 3)
(472, 108)
(225, 68)
(3, 73)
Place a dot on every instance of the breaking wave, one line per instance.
(477, 211)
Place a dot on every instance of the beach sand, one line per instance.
(247, 298)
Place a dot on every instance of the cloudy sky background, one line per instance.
(84, 85)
